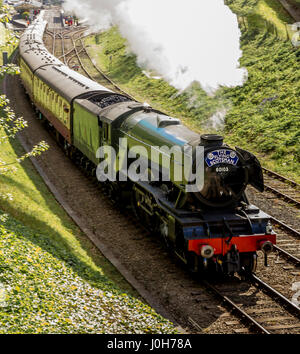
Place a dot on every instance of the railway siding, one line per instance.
(282, 187)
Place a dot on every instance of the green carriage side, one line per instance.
(86, 129)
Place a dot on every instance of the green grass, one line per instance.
(55, 281)
(35, 207)
(2, 35)
(42, 292)
(52, 278)
(273, 12)
(268, 15)
(265, 113)
(262, 116)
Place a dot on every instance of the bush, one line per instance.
(25, 15)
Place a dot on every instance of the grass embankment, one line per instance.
(262, 116)
(265, 111)
(52, 280)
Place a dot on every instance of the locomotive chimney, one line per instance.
(211, 140)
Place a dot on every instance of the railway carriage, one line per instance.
(51, 85)
(213, 228)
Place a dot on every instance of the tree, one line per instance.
(10, 124)
(25, 15)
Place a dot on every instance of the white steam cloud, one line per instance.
(182, 41)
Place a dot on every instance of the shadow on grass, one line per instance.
(280, 11)
(50, 240)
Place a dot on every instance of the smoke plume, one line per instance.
(182, 41)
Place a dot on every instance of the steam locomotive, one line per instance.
(210, 228)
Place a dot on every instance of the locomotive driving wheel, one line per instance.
(248, 263)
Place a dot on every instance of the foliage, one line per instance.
(264, 116)
(62, 257)
(43, 294)
(25, 15)
(5, 13)
(10, 125)
(11, 38)
(242, 7)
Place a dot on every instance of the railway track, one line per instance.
(77, 51)
(263, 303)
(258, 305)
(96, 74)
(282, 187)
(75, 55)
(288, 241)
(61, 44)
(54, 33)
(114, 86)
(72, 53)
